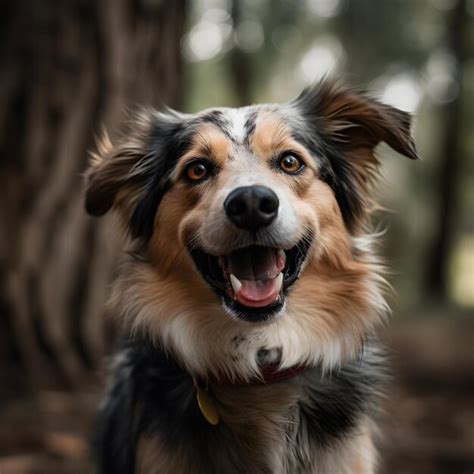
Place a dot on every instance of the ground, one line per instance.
(427, 428)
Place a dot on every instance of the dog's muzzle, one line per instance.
(252, 278)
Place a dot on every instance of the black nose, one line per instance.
(251, 207)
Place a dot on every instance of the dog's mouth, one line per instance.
(253, 281)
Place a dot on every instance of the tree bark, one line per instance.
(68, 68)
(436, 282)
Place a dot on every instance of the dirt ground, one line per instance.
(429, 421)
(428, 426)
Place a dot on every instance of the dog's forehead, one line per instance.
(241, 122)
(236, 123)
(245, 125)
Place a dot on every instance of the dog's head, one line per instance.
(256, 209)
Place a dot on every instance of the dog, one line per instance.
(250, 293)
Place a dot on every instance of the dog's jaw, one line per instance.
(196, 330)
(266, 275)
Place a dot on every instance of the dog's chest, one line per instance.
(279, 428)
(282, 444)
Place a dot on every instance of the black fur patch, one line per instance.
(250, 126)
(219, 120)
(335, 401)
(169, 140)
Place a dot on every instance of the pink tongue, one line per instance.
(256, 268)
(254, 263)
(257, 290)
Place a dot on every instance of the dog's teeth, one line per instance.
(281, 258)
(279, 281)
(235, 282)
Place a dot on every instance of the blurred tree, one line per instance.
(240, 63)
(450, 161)
(67, 69)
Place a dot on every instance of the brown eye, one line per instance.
(290, 164)
(197, 171)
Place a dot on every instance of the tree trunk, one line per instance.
(451, 161)
(68, 68)
(240, 67)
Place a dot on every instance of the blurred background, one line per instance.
(69, 68)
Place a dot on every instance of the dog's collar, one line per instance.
(269, 374)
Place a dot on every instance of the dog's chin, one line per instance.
(253, 282)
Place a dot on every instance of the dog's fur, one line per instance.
(179, 327)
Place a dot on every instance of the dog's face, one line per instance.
(257, 208)
(247, 218)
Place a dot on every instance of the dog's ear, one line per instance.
(131, 175)
(347, 125)
(353, 120)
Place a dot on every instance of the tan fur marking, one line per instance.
(364, 453)
(209, 142)
(154, 458)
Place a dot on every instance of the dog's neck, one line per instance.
(268, 374)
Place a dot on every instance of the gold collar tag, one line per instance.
(207, 405)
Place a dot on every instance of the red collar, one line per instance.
(270, 373)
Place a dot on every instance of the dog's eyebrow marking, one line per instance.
(273, 135)
(270, 133)
(208, 141)
(219, 120)
(238, 125)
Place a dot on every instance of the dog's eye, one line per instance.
(197, 171)
(290, 164)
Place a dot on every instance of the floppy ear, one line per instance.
(347, 125)
(132, 174)
(111, 167)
